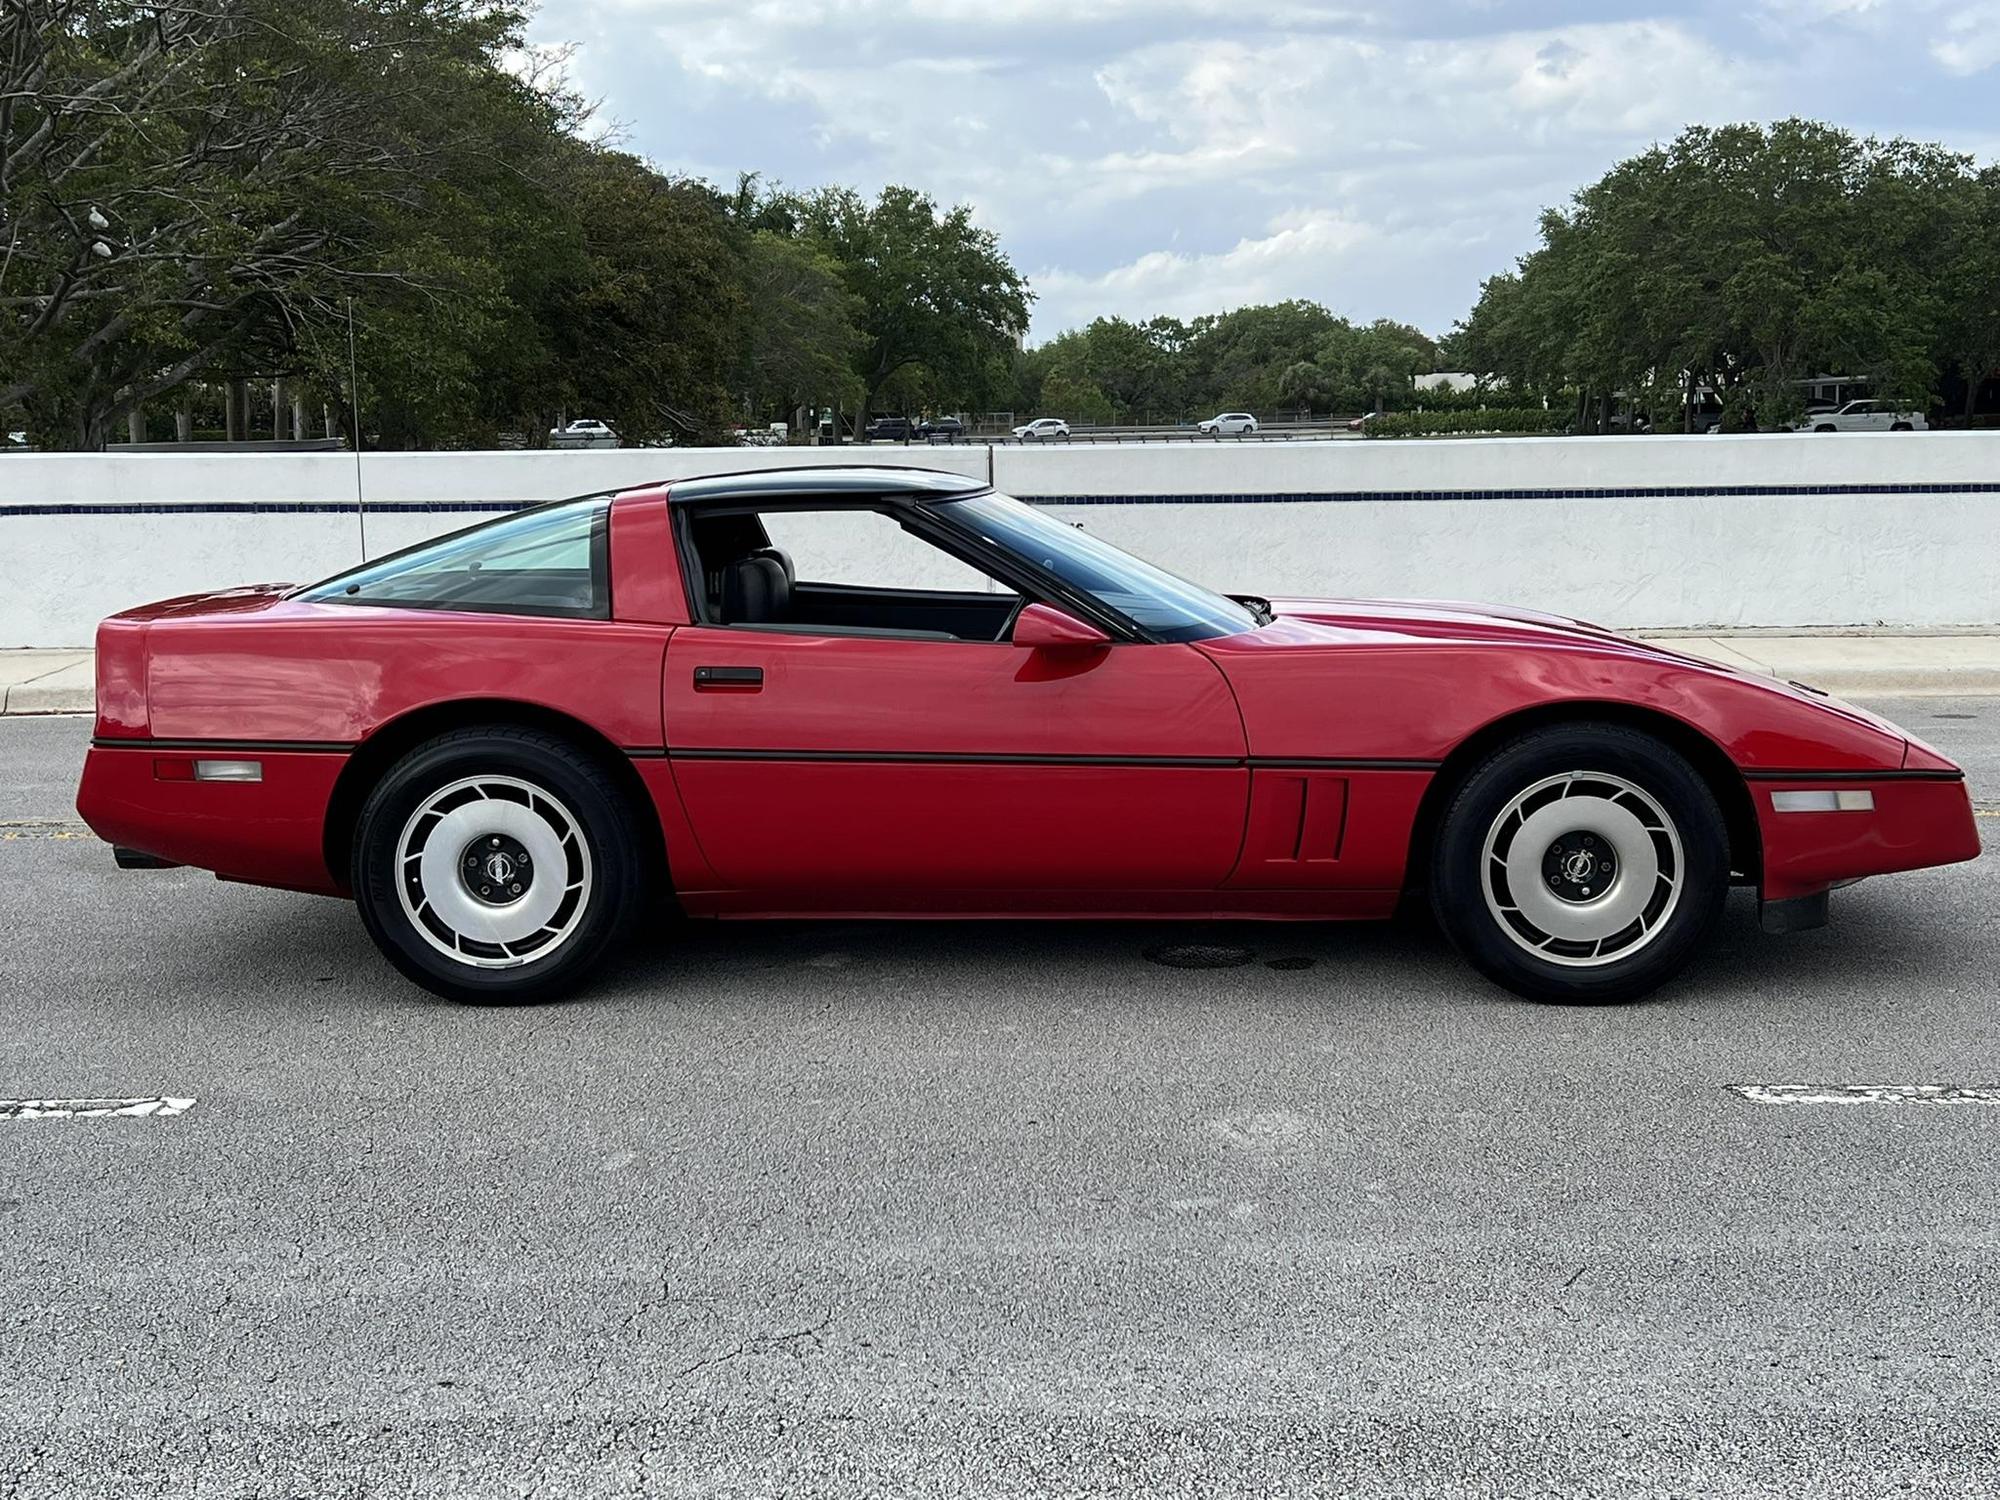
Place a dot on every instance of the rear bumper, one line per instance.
(135, 796)
(1915, 820)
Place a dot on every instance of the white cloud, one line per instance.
(1326, 96)
(1184, 155)
(1960, 36)
(1373, 154)
(1971, 43)
(1298, 251)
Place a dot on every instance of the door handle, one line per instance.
(728, 677)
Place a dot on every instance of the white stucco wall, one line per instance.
(1735, 544)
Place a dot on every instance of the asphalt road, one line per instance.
(949, 1210)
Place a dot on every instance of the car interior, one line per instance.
(749, 583)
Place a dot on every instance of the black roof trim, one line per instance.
(832, 479)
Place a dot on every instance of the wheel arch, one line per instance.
(391, 741)
(1710, 761)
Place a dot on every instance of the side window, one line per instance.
(842, 571)
(552, 560)
(866, 549)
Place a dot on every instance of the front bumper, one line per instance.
(1912, 820)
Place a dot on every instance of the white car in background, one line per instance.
(1042, 430)
(1228, 424)
(584, 432)
(1862, 416)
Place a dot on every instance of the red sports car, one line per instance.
(750, 696)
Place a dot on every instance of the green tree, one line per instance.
(1309, 386)
(933, 289)
(1140, 368)
(201, 189)
(803, 341)
(1743, 258)
(1237, 359)
(646, 332)
(1970, 287)
(1075, 399)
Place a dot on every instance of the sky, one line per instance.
(1139, 157)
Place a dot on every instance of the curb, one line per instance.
(29, 700)
(1907, 682)
(48, 682)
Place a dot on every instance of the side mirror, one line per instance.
(1041, 627)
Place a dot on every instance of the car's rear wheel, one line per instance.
(496, 865)
(1581, 864)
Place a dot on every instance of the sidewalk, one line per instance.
(47, 682)
(1857, 664)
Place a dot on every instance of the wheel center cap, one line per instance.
(1579, 867)
(496, 869)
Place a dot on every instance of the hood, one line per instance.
(1453, 620)
(236, 601)
(1348, 621)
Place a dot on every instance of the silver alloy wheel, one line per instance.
(1582, 869)
(493, 871)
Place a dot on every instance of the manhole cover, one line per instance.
(1200, 956)
(1298, 962)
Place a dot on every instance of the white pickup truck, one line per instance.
(1862, 416)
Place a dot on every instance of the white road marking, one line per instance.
(157, 1108)
(1867, 1093)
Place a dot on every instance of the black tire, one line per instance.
(1825, 428)
(591, 830)
(1679, 828)
(1899, 427)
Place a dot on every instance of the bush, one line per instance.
(1489, 419)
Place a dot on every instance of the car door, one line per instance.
(853, 768)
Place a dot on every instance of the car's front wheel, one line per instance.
(1581, 864)
(496, 865)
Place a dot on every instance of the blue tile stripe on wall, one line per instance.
(1276, 497)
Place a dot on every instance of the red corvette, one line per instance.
(749, 696)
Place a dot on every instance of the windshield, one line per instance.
(1166, 607)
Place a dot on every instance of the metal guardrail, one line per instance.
(1297, 433)
(1316, 434)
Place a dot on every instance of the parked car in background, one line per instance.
(1705, 415)
(942, 429)
(1862, 416)
(1042, 430)
(515, 744)
(891, 430)
(1228, 424)
(584, 432)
